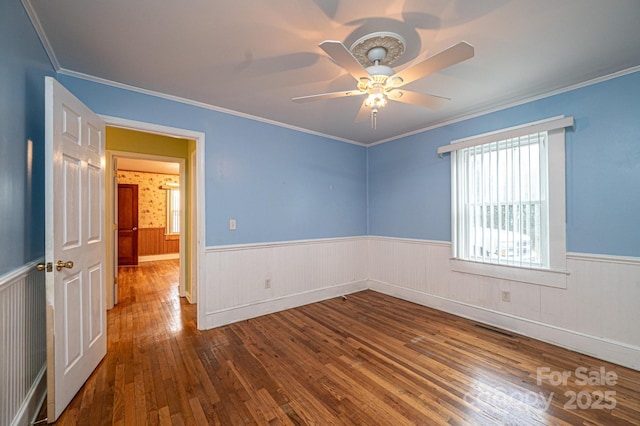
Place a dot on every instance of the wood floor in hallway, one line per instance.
(368, 360)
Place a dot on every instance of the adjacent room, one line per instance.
(320, 212)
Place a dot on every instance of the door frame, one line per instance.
(196, 208)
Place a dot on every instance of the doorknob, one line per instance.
(135, 228)
(62, 264)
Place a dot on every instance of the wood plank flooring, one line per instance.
(367, 360)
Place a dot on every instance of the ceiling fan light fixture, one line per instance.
(376, 100)
(377, 81)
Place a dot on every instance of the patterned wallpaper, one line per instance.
(152, 201)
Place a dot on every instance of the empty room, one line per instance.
(377, 213)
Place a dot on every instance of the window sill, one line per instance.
(546, 277)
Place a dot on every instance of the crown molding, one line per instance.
(37, 26)
(100, 80)
(480, 112)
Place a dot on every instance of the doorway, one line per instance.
(155, 180)
(149, 209)
(184, 148)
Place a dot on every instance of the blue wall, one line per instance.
(23, 66)
(409, 185)
(279, 184)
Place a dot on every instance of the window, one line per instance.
(501, 202)
(173, 211)
(508, 203)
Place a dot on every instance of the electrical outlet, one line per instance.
(267, 283)
(506, 296)
(232, 224)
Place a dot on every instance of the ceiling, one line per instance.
(149, 166)
(252, 56)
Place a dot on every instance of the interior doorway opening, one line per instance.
(150, 211)
(141, 142)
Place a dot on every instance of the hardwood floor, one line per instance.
(367, 360)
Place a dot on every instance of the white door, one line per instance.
(75, 245)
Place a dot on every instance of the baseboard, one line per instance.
(154, 257)
(615, 352)
(30, 407)
(252, 310)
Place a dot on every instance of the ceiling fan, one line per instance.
(369, 60)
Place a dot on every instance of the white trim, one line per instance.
(251, 246)
(200, 211)
(8, 278)
(30, 407)
(547, 277)
(588, 257)
(198, 104)
(546, 125)
(253, 310)
(591, 257)
(37, 26)
(477, 113)
(599, 347)
(193, 228)
(410, 240)
(480, 112)
(555, 274)
(158, 129)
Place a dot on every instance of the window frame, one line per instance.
(555, 275)
(168, 206)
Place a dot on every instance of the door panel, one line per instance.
(96, 301)
(71, 216)
(127, 224)
(74, 205)
(93, 204)
(72, 305)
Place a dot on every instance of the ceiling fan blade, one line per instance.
(363, 114)
(322, 96)
(343, 57)
(448, 57)
(420, 99)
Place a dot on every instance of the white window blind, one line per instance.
(173, 208)
(508, 203)
(501, 202)
(173, 211)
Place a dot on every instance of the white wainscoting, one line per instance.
(597, 314)
(299, 272)
(23, 337)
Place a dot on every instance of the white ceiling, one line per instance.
(150, 166)
(253, 56)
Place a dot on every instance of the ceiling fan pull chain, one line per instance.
(374, 118)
